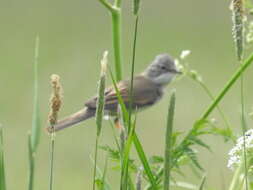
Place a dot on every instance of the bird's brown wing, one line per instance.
(145, 93)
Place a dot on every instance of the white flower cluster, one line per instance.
(235, 154)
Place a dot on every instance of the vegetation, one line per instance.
(155, 172)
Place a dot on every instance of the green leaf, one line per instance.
(126, 153)
(136, 6)
(35, 135)
(144, 161)
(2, 168)
(113, 154)
(192, 155)
(200, 142)
(156, 159)
(31, 163)
(201, 186)
(168, 143)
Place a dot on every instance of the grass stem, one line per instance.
(2, 168)
(227, 87)
(116, 35)
(168, 143)
(52, 150)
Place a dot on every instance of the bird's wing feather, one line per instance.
(144, 93)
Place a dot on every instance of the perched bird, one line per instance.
(147, 90)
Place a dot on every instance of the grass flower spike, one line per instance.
(238, 19)
(56, 99)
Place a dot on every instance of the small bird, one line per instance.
(147, 89)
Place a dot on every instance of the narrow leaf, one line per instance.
(2, 168)
(136, 6)
(144, 161)
(168, 143)
(101, 92)
(201, 186)
(31, 163)
(35, 135)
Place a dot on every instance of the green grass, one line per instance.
(2, 164)
(180, 149)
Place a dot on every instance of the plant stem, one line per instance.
(2, 170)
(116, 35)
(244, 129)
(227, 87)
(206, 89)
(236, 178)
(31, 163)
(132, 71)
(168, 144)
(51, 161)
(144, 161)
(117, 3)
(95, 164)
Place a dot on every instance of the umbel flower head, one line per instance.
(236, 153)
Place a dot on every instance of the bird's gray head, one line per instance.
(162, 69)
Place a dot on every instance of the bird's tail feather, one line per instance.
(72, 120)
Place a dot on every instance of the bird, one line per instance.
(148, 88)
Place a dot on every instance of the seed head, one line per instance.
(55, 100)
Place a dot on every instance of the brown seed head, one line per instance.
(55, 100)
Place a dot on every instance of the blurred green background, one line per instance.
(73, 35)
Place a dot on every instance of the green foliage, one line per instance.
(2, 170)
(168, 143)
(31, 157)
(136, 6)
(34, 136)
(101, 92)
(100, 108)
(201, 186)
(115, 11)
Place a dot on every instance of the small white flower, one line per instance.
(235, 154)
(179, 66)
(184, 54)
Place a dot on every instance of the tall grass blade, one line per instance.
(2, 168)
(136, 6)
(31, 163)
(116, 36)
(35, 135)
(126, 153)
(144, 161)
(136, 141)
(228, 86)
(100, 109)
(168, 142)
(202, 183)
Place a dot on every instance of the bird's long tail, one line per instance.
(73, 119)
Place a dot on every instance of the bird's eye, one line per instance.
(163, 68)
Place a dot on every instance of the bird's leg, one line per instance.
(117, 123)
